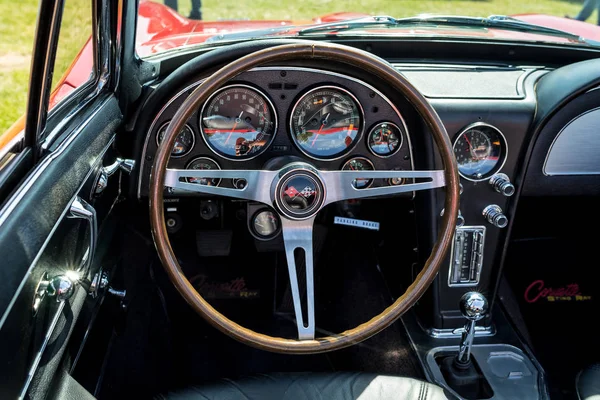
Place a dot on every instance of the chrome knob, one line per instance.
(473, 306)
(61, 287)
(493, 213)
(501, 183)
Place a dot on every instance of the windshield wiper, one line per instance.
(493, 21)
(364, 22)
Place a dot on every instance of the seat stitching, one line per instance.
(426, 391)
(421, 387)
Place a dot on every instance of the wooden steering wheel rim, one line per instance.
(297, 51)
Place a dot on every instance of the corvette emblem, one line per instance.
(296, 202)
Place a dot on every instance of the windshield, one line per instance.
(172, 25)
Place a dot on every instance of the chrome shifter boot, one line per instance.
(473, 306)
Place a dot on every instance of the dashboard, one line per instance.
(336, 118)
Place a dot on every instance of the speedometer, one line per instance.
(326, 122)
(238, 122)
(480, 151)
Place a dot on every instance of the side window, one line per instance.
(17, 30)
(74, 63)
(73, 67)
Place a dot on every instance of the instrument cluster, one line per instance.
(336, 122)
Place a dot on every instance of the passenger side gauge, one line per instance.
(238, 122)
(203, 163)
(265, 224)
(480, 151)
(326, 122)
(359, 164)
(385, 139)
(183, 144)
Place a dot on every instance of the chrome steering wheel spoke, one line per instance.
(340, 184)
(258, 183)
(298, 235)
(299, 191)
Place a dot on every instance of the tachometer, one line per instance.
(480, 151)
(184, 142)
(359, 164)
(203, 163)
(238, 122)
(326, 122)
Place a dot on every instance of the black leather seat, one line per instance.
(309, 386)
(588, 383)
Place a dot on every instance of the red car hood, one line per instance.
(160, 28)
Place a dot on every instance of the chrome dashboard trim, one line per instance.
(456, 333)
(313, 70)
(475, 125)
(359, 136)
(575, 149)
(269, 102)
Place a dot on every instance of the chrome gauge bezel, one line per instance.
(253, 231)
(373, 129)
(193, 139)
(359, 135)
(362, 159)
(269, 103)
(504, 155)
(203, 158)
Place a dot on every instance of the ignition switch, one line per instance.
(208, 210)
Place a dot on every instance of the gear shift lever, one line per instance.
(460, 372)
(473, 306)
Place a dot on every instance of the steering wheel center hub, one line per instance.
(299, 194)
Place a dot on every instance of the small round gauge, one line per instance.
(384, 139)
(265, 224)
(203, 163)
(183, 144)
(326, 122)
(238, 122)
(359, 164)
(480, 151)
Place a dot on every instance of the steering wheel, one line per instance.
(323, 187)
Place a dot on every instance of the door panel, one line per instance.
(37, 237)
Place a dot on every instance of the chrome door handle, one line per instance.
(83, 210)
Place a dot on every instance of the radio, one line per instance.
(466, 257)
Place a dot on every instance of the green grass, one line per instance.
(18, 20)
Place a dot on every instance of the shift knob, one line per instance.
(473, 306)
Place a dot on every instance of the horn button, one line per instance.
(299, 194)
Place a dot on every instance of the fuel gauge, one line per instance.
(264, 224)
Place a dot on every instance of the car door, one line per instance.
(59, 179)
